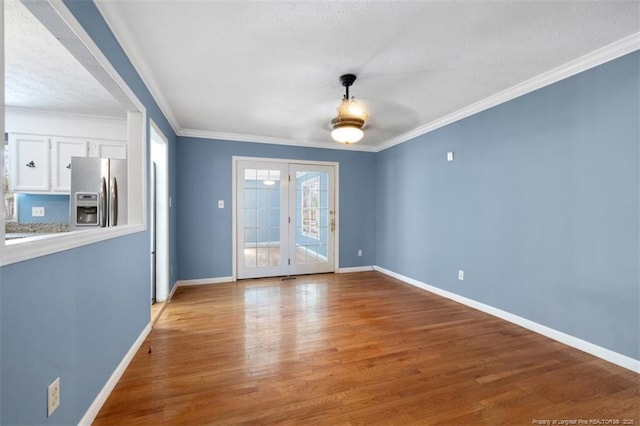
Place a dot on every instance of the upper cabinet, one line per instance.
(108, 149)
(43, 164)
(62, 149)
(30, 165)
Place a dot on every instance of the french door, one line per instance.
(286, 218)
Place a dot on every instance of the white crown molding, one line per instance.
(237, 137)
(112, 17)
(597, 57)
(569, 340)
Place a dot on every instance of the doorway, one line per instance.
(159, 218)
(286, 218)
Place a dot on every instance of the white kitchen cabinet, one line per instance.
(108, 149)
(62, 149)
(42, 164)
(30, 163)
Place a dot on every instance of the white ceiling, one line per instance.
(41, 74)
(268, 70)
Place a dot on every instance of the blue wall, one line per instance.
(56, 323)
(95, 298)
(56, 208)
(539, 208)
(205, 170)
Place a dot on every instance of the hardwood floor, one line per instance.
(357, 348)
(156, 311)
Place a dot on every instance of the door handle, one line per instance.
(103, 204)
(113, 203)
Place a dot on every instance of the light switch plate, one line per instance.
(450, 156)
(221, 204)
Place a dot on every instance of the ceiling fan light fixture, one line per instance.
(346, 134)
(347, 125)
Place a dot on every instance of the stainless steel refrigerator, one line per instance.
(98, 193)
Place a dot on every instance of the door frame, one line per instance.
(234, 202)
(163, 270)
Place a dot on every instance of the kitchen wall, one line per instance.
(539, 207)
(205, 232)
(76, 313)
(56, 208)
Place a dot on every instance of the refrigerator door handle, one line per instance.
(113, 202)
(103, 203)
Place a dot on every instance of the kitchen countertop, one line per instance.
(14, 230)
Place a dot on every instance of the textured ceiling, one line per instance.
(41, 74)
(268, 70)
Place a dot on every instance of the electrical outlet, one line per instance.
(461, 275)
(359, 252)
(37, 211)
(53, 396)
(221, 204)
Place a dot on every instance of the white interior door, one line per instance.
(285, 218)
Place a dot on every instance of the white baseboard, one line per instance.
(97, 404)
(354, 269)
(202, 281)
(173, 291)
(590, 348)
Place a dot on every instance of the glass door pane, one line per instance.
(261, 196)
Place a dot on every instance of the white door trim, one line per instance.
(162, 252)
(234, 225)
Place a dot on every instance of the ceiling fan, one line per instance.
(347, 125)
(381, 115)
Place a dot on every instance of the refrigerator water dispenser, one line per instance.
(86, 209)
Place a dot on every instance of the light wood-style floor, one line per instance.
(357, 348)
